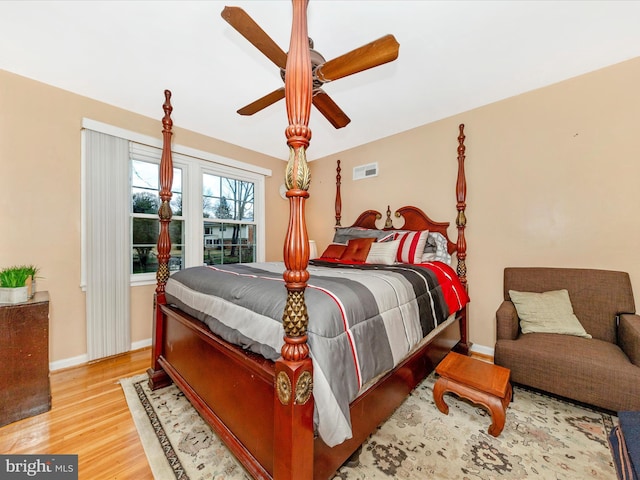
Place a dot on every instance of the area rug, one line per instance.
(543, 438)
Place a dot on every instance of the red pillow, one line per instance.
(357, 249)
(334, 251)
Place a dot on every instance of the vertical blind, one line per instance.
(107, 246)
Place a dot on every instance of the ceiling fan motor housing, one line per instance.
(316, 60)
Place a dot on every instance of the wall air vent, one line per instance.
(365, 171)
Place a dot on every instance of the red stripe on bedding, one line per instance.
(401, 252)
(343, 314)
(347, 329)
(454, 292)
(407, 247)
(250, 275)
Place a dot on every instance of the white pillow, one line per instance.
(547, 312)
(383, 252)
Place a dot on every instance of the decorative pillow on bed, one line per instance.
(547, 312)
(383, 252)
(357, 249)
(389, 237)
(431, 246)
(436, 249)
(334, 251)
(344, 234)
(411, 246)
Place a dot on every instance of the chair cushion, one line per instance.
(547, 312)
(586, 370)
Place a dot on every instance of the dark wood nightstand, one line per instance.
(24, 359)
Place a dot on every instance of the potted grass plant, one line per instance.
(13, 284)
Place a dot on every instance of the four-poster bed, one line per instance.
(269, 408)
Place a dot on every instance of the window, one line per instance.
(214, 213)
(145, 225)
(229, 227)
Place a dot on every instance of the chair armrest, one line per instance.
(629, 336)
(507, 322)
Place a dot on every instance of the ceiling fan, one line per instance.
(378, 52)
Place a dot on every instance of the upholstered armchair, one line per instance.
(603, 370)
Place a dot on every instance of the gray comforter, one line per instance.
(363, 319)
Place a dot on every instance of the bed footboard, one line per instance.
(232, 389)
(241, 404)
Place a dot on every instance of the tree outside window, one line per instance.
(228, 220)
(145, 224)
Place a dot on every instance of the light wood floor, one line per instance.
(89, 417)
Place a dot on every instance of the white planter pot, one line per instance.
(14, 295)
(31, 287)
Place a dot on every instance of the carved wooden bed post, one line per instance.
(461, 219)
(293, 404)
(461, 224)
(157, 376)
(338, 195)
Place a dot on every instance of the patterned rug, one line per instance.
(543, 438)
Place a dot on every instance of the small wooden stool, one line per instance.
(480, 382)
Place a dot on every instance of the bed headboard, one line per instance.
(416, 219)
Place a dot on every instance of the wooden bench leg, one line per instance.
(439, 389)
(497, 406)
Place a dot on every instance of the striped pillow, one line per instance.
(411, 246)
(383, 252)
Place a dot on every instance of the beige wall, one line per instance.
(40, 196)
(552, 181)
(551, 175)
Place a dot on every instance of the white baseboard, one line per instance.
(141, 344)
(481, 349)
(81, 359)
(68, 362)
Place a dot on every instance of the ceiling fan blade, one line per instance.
(244, 24)
(378, 52)
(330, 109)
(263, 102)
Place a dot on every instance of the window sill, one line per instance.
(142, 279)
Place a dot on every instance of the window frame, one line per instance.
(152, 155)
(206, 170)
(193, 170)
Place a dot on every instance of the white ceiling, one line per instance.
(454, 56)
